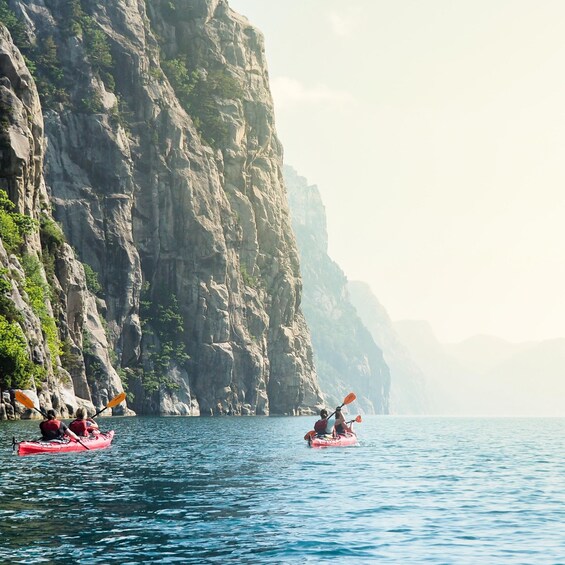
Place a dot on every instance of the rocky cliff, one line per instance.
(347, 357)
(164, 169)
(47, 314)
(408, 391)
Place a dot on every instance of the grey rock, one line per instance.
(157, 211)
(347, 357)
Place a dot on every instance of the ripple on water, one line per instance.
(248, 490)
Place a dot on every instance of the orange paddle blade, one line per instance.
(358, 419)
(24, 399)
(309, 435)
(349, 398)
(116, 400)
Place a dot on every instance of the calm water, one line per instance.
(248, 490)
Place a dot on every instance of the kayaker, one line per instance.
(81, 425)
(340, 424)
(325, 425)
(53, 428)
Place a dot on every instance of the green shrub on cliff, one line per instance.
(7, 307)
(161, 316)
(92, 282)
(13, 225)
(15, 27)
(98, 50)
(180, 78)
(199, 94)
(16, 368)
(38, 293)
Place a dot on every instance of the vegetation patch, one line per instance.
(200, 94)
(38, 293)
(92, 281)
(16, 368)
(44, 59)
(164, 320)
(13, 225)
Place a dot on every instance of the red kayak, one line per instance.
(99, 441)
(329, 441)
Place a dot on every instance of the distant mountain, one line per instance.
(517, 379)
(446, 380)
(482, 352)
(345, 354)
(486, 375)
(408, 393)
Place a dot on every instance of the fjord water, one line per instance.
(248, 490)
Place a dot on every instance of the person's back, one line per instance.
(52, 428)
(340, 423)
(324, 426)
(80, 425)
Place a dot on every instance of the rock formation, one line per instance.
(46, 310)
(347, 357)
(408, 391)
(165, 172)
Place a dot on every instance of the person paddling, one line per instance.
(54, 429)
(81, 425)
(325, 425)
(341, 426)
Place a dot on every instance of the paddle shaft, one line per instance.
(118, 399)
(347, 400)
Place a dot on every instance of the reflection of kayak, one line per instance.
(99, 441)
(329, 441)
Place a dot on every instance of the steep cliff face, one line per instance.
(347, 358)
(408, 391)
(46, 311)
(164, 170)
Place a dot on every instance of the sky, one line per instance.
(435, 131)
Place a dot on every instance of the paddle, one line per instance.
(347, 400)
(28, 403)
(356, 419)
(114, 402)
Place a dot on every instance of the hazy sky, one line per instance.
(435, 130)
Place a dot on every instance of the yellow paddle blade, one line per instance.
(349, 398)
(24, 399)
(116, 400)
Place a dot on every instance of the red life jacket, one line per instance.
(320, 426)
(50, 429)
(79, 427)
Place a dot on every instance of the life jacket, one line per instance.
(320, 426)
(79, 427)
(50, 429)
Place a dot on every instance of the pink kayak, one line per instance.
(329, 441)
(99, 441)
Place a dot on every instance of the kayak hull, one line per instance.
(345, 440)
(100, 441)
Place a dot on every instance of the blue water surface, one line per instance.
(249, 490)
